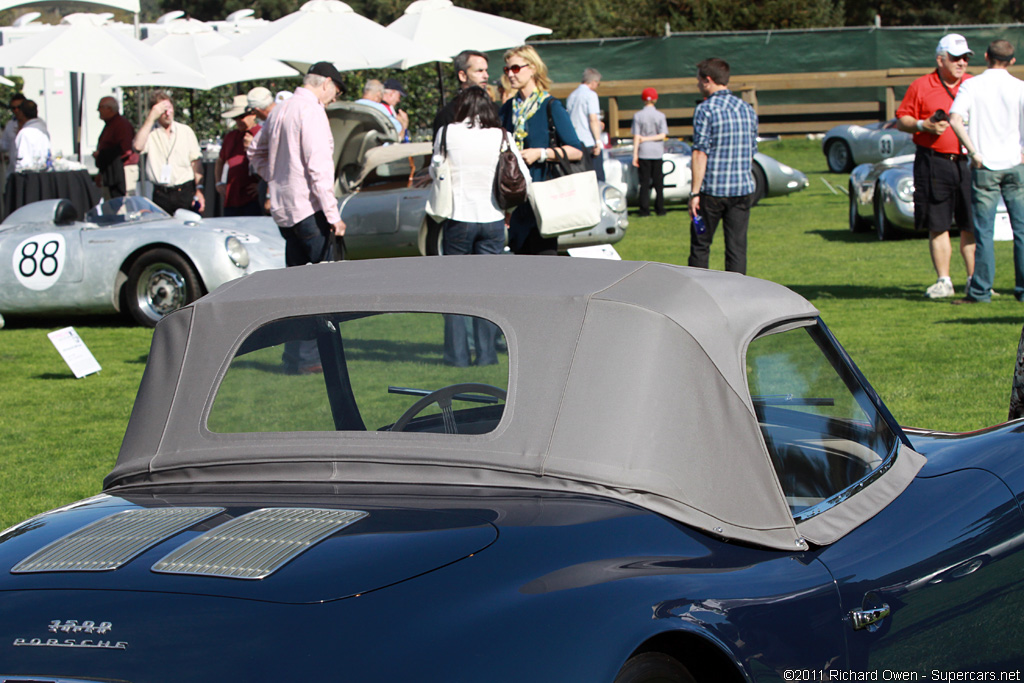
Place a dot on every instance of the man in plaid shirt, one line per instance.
(722, 186)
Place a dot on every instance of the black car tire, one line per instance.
(434, 245)
(857, 222)
(159, 281)
(838, 156)
(882, 226)
(653, 667)
(760, 183)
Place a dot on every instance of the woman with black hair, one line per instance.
(477, 225)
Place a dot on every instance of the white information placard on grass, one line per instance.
(74, 352)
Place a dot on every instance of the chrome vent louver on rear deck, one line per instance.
(257, 544)
(111, 542)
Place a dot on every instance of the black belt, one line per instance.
(942, 155)
(174, 188)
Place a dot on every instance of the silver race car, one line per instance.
(383, 188)
(772, 178)
(127, 254)
(850, 144)
(882, 196)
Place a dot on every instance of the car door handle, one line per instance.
(865, 618)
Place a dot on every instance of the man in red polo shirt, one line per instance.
(942, 177)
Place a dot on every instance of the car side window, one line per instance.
(366, 372)
(823, 432)
(401, 173)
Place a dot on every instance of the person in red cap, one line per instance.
(650, 128)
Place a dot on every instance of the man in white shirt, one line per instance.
(11, 132)
(585, 112)
(32, 144)
(992, 107)
(174, 162)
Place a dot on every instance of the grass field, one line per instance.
(934, 364)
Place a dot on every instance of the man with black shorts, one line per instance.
(942, 178)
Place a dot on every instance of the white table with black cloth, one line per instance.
(26, 187)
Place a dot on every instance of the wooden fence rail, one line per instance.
(813, 117)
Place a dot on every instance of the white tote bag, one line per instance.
(441, 199)
(566, 204)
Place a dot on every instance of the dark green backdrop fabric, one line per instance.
(760, 52)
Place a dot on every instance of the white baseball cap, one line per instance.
(954, 45)
(260, 98)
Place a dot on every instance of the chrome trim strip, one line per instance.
(851, 490)
(45, 679)
(257, 544)
(113, 541)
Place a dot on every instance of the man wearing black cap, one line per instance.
(393, 92)
(295, 154)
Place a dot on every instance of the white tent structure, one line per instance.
(127, 5)
(191, 42)
(86, 44)
(329, 31)
(440, 26)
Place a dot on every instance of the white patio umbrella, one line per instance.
(191, 42)
(329, 31)
(442, 27)
(82, 44)
(85, 44)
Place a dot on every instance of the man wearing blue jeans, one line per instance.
(722, 184)
(992, 107)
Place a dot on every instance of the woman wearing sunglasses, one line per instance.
(527, 115)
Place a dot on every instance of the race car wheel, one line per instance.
(760, 183)
(159, 282)
(653, 667)
(882, 226)
(857, 222)
(838, 155)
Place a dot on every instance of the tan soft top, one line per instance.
(626, 380)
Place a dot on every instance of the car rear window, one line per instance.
(823, 432)
(366, 372)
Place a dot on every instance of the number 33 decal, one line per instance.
(39, 260)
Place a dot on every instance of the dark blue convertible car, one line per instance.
(644, 473)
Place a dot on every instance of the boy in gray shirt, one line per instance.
(650, 128)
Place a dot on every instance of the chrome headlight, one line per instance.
(613, 199)
(905, 189)
(237, 252)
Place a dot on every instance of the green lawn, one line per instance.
(936, 365)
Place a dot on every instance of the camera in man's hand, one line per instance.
(939, 115)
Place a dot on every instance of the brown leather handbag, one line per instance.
(509, 181)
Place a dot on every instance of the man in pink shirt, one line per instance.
(295, 155)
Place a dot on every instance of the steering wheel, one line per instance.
(443, 398)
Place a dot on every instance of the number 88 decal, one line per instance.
(39, 260)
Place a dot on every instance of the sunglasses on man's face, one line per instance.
(961, 58)
(514, 68)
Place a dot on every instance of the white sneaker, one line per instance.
(940, 290)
